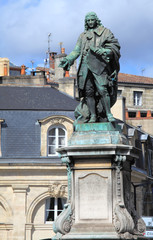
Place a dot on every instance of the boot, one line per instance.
(93, 118)
(106, 104)
(92, 108)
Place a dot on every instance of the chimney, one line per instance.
(5, 70)
(52, 60)
(23, 70)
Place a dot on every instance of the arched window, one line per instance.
(54, 207)
(57, 138)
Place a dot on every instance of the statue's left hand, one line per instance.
(100, 51)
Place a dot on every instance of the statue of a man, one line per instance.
(97, 73)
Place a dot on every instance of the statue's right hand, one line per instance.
(64, 63)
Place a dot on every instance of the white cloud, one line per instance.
(25, 25)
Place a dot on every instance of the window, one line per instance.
(119, 92)
(56, 139)
(137, 98)
(132, 114)
(143, 114)
(1, 122)
(54, 207)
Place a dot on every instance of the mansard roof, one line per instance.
(35, 98)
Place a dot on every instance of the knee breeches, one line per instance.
(92, 86)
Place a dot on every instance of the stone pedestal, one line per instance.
(100, 203)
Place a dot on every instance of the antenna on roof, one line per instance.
(47, 59)
(142, 71)
(49, 53)
(49, 35)
(32, 62)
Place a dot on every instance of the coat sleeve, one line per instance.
(112, 43)
(76, 52)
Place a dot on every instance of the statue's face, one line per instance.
(91, 21)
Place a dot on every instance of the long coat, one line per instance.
(103, 38)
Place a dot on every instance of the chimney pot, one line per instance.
(23, 69)
(5, 70)
(62, 50)
(67, 74)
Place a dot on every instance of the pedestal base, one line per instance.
(97, 133)
(100, 202)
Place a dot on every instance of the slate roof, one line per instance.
(35, 98)
(12, 64)
(14, 67)
(129, 78)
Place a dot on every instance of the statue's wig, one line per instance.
(95, 16)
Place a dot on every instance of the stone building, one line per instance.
(35, 119)
(138, 92)
(33, 122)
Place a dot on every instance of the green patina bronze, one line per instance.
(97, 127)
(97, 134)
(99, 53)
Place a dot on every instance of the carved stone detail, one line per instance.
(118, 164)
(126, 221)
(58, 190)
(123, 221)
(69, 174)
(64, 221)
(119, 159)
(57, 120)
(141, 226)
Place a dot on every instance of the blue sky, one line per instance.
(25, 25)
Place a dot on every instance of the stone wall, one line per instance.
(23, 199)
(24, 80)
(138, 115)
(147, 100)
(68, 85)
(118, 110)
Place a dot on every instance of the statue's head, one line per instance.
(91, 20)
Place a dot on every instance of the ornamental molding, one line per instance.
(58, 190)
(17, 188)
(57, 119)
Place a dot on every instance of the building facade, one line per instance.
(138, 92)
(34, 122)
(35, 119)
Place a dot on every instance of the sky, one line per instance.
(25, 25)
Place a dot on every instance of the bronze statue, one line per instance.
(97, 73)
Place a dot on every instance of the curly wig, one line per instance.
(97, 19)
